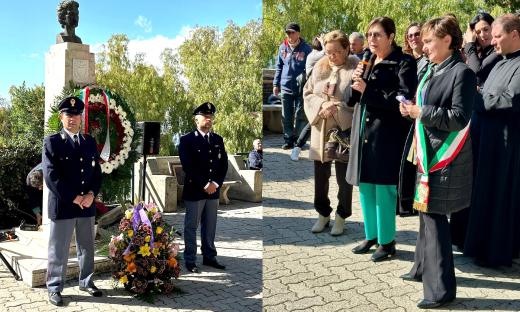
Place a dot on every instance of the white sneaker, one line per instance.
(295, 154)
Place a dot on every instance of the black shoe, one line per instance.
(384, 252)
(92, 290)
(428, 304)
(55, 299)
(410, 277)
(364, 247)
(287, 146)
(192, 268)
(213, 263)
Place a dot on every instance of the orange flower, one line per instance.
(131, 267)
(129, 257)
(172, 262)
(157, 244)
(159, 230)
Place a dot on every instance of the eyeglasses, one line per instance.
(334, 53)
(375, 35)
(414, 35)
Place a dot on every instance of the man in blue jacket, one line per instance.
(71, 170)
(205, 162)
(290, 63)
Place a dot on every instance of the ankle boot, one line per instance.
(338, 227)
(320, 224)
(364, 247)
(384, 251)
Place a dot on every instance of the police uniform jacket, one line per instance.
(69, 172)
(202, 162)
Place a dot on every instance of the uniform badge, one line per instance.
(218, 155)
(72, 102)
(93, 163)
(209, 106)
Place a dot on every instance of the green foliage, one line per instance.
(26, 112)
(225, 68)
(316, 17)
(19, 156)
(151, 95)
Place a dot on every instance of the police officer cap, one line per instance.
(205, 109)
(71, 105)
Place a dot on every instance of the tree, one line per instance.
(27, 112)
(316, 17)
(151, 95)
(225, 68)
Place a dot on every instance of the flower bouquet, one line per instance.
(144, 253)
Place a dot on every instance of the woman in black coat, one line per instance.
(481, 58)
(378, 135)
(442, 150)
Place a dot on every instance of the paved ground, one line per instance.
(239, 243)
(308, 272)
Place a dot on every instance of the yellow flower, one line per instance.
(155, 252)
(129, 213)
(123, 279)
(144, 250)
(153, 269)
(159, 230)
(154, 209)
(147, 239)
(130, 233)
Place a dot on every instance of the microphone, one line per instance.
(365, 60)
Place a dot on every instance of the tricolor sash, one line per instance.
(449, 149)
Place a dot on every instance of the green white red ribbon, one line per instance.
(449, 149)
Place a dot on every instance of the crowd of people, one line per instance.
(434, 131)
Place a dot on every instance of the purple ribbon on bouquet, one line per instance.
(140, 216)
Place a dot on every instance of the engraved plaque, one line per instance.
(80, 70)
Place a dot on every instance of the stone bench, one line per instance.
(224, 199)
(272, 117)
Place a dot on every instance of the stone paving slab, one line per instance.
(317, 272)
(238, 288)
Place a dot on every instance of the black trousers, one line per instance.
(321, 189)
(433, 260)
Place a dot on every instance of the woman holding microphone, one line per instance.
(378, 135)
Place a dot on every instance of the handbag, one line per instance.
(337, 146)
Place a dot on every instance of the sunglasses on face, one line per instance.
(414, 35)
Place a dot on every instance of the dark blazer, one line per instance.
(69, 172)
(385, 129)
(202, 162)
(448, 101)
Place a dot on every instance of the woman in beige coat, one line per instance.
(325, 95)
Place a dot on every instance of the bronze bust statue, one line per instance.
(68, 17)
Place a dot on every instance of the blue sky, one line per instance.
(28, 28)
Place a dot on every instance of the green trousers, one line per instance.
(378, 203)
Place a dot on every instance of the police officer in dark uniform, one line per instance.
(72, 173)
(204, 161)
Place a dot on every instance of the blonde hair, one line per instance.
(339, 36)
